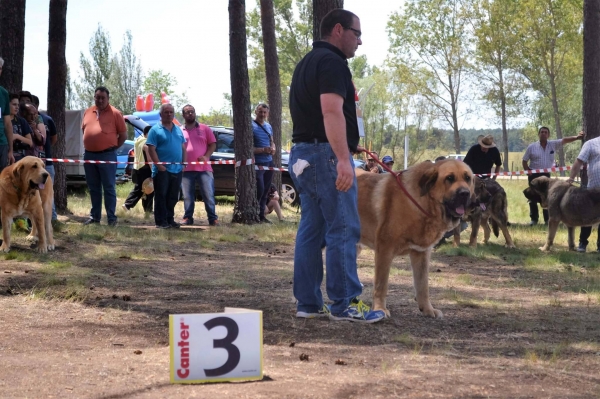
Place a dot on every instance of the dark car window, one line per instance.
(224, 142)
(124, 149)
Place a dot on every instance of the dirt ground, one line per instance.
(508, 332)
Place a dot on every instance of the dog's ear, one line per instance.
(540, 185)
(427, 180)
(17, 169)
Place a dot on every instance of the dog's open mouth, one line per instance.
(36, 186)
(455, 211)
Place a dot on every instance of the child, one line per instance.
(273, 203)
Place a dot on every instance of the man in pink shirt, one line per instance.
(201, 144)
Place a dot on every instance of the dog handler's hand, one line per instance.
(345, 175)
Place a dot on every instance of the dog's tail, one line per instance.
(495, 228)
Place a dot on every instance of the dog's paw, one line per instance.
(42, 249)
(32, 238)
(433, 313)
(545, 248)
(4, 248)
(51, 247)
(510, 246)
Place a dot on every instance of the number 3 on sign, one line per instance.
(216, 347)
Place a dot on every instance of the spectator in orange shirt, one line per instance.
(104, 131)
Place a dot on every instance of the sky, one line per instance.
(187, 38)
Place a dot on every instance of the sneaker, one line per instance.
(187, 222)
(91, 221)
(359, 312)
(533, 223)
(163, 226)
(265, 221)
(174, 225)
(581, 248)
(214, 223)
(125, 208)
(112, 223)
(323, 312)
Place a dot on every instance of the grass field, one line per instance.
(91, 318)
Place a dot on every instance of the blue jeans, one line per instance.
(263, 183)
(50, 170)
(329, 216)
(166, 195)
(207, 190)
(101, 177)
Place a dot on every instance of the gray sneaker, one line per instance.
(581, 248)
(324, 312)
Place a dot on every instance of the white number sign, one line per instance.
(216, 347)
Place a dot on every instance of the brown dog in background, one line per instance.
(26, 190)
(392, 225)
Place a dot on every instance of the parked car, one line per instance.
(224, 175)
(122, 156)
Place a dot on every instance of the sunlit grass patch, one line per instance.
(455, 296)
(466, 279)
(231, 238)
(19, 256)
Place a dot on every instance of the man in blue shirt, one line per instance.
(264, 148)
(166, 144)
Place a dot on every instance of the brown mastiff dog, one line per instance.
(574, 206)
(26, 190)
(392, 225)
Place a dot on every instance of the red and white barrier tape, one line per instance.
(251, 161)
(528, 172)
(237, 164)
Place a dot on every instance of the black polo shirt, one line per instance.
(481, 163)
(323, 70)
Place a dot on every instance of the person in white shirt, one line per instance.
(540, 155)
(590, 154)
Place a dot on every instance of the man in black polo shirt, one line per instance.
(482, 156)
(325, 132)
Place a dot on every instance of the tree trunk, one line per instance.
(320, 9)
(267, 17)
(246, 204)
(591, 68)
(557, 125)
(57, 91)
(12, 43)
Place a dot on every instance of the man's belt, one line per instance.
(103, 151)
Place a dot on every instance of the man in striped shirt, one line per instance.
(540, 155)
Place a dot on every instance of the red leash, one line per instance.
(398, 176)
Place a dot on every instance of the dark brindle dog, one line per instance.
(490, 205)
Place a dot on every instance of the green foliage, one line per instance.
(95, 71)
(430, 39)
(121, 73)
(157, 81)
(126, 79)
(293, 28)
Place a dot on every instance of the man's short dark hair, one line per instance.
(24, 93)
(334, 17)
(262, 105)
(102, 89)
(188, 105)
(35, 100)
(147, 129)
(543, 127)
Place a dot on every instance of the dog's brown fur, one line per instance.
(489, 193)
(26, 190)
(574, 206)
(392, 225)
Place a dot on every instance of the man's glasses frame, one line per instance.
(356, 32)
